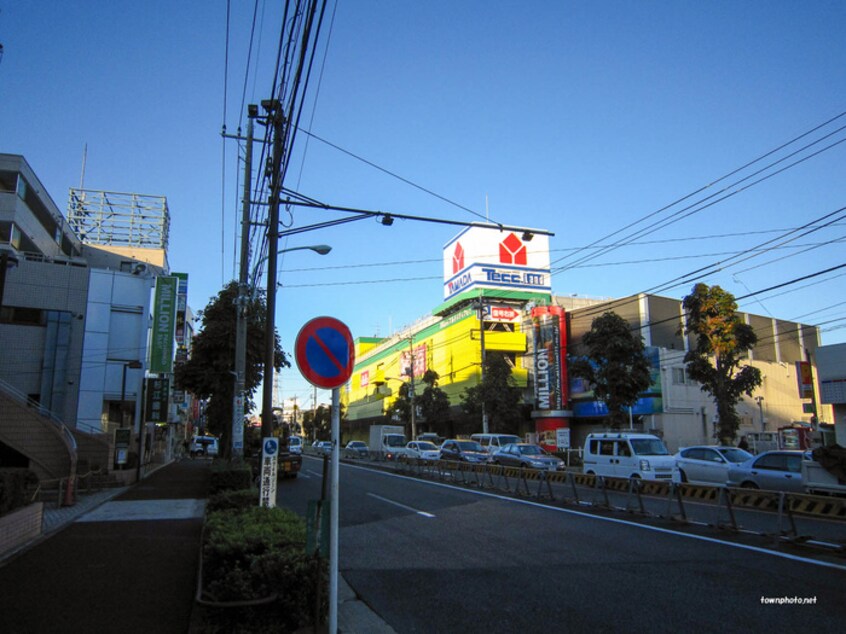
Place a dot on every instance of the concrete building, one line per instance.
(831, 366)
(497, 298)
(75, 314)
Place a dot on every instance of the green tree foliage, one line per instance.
(400, 409)
(432, 402)
(501, 397)
(317, 423)
(722, 339)
(208, 374)
(615, 366)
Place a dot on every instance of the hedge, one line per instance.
(251, 553)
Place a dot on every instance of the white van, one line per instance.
(628, 455)
(494, 442)
(295, 444)
(204, 446)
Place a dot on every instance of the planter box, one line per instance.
(20, 526)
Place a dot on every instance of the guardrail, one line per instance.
(726, 501)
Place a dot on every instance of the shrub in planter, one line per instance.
(257, 553)
(241, 499)
(227, 476)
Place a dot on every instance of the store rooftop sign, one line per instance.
(481, 257)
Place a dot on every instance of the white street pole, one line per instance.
(333, 512)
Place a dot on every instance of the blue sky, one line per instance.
(578, 117)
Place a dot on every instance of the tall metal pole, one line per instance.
(481, 305)
(241, 305)
(411, 392)
(334, 511)
(276, 117)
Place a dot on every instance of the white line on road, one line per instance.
(402, 506)
(657, 529)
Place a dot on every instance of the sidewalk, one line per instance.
(126, 559)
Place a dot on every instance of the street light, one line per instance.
(270, 339)
(320, 249)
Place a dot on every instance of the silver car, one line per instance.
(708, 464)
(774, 470)
(526, 455)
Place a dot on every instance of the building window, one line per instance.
(21, 316)
(680, 376)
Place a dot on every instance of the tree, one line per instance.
(400, 409)
(615, 366)
(432, 403)
(498, 393)
(317, 424)
(208, 374)
(722, 336)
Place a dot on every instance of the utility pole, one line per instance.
(275, 118)
(243, 299)
(411, 392)
(481, 307)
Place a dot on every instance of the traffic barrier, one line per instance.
(817, 505)
(698, 492)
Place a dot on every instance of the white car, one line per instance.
(708, 464)
(295, 444)
(422, 449)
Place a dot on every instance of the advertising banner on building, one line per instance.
(481, 257)
(164, 324)
(417, 363)
(550, 358)
(156, 403)
(805, 378)
(181, 308)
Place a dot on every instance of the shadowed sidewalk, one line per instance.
(128, 565)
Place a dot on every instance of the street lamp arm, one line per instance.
(320, 249)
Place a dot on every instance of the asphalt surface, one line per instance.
(129, 565)
(126, 561)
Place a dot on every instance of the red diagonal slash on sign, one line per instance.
(329, 352)
(324, 351)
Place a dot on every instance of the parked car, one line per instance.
(356, 449)
(779, 470)
(628, 455)
(463, 451)
(431, 437)
(422, 449)
(521, 454)
(323, 447)
(707, 464)
(494, 442)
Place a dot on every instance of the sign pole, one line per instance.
(333, 512)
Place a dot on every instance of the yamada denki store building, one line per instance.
(498, 299)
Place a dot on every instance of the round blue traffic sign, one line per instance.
(271, 446)
(324, 352)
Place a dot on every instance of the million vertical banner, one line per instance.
(550, 358)
(164, 325)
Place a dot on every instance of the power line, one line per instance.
(724, 177)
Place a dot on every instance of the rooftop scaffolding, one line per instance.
(119, 219)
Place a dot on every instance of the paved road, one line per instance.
(429, 557)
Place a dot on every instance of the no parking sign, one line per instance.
(324, 352)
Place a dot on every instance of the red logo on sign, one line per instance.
(458, 258)
(512, 250)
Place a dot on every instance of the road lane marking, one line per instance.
(402, 506)
(657, 529)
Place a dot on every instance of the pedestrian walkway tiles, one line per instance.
(146, 510)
